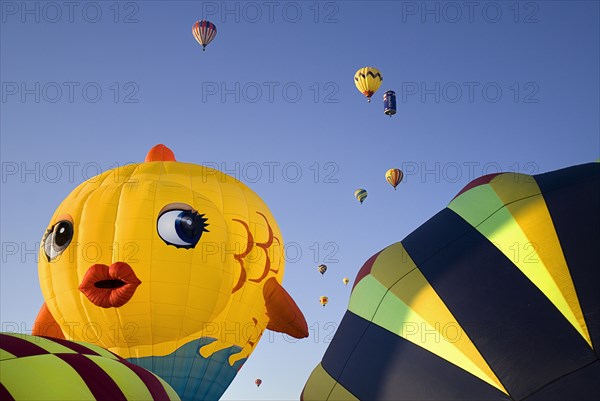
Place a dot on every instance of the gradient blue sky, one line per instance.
(501, 86)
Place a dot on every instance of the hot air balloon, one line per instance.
(346, 280)
(38, 368)
(324, 300)
(394, 177)
(258, 382)
(360, 194)
(389, 103)
(158, 292)
(204, 32)
(322, 269)
(494, 298)
(367, 81)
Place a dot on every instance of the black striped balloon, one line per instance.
(496, 297)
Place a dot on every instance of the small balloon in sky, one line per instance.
(360, 194)
(322, 269)
(394, 177)
(367, 81)
(389, 103)
(204, 32)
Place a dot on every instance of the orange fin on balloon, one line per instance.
(160, 153)
(284, 314)
(46, 325)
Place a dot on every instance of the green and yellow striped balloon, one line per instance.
(496, 297)
(43, 368)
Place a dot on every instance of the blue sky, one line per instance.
(91, 85)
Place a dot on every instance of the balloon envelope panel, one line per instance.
(494, 298)
(38, 368)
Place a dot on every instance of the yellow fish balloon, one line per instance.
(174, 266)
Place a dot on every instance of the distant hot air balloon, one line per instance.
(324, 300)
(346, 280)
(204, 32)
(394, 177)
(258, 382)
(360, 194)
(367, 81)
(322, 269)
(389, 103)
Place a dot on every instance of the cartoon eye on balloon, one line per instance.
(181, 228)
(57, 239)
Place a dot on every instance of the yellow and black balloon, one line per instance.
(159, 262)
(496, 297)
(367, 81)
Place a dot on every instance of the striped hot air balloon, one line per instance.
(204, 32)
(496, 297)
(394, 177)
(322, 269)
(367, 81)
(360, 194)
(44, 368)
